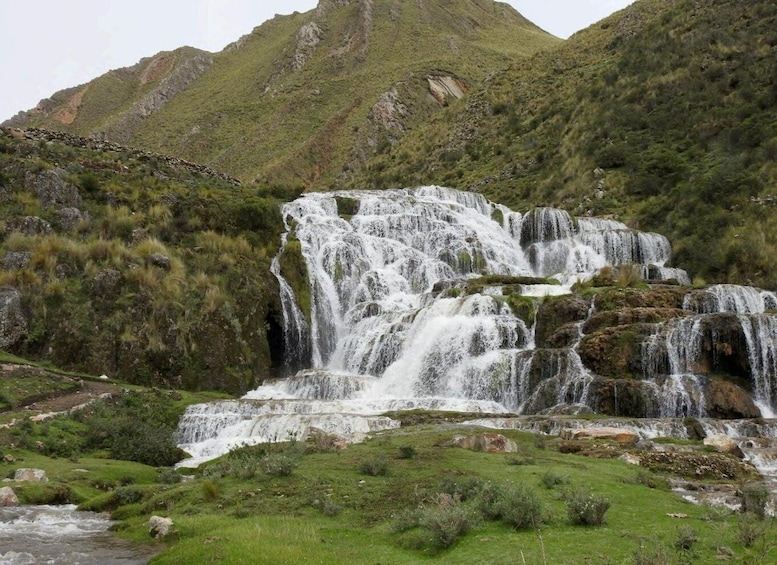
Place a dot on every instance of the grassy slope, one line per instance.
(268, 519)
(674, 101)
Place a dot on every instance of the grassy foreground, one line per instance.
(404, 496)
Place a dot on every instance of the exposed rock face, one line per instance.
(53, 188)
(727, 400)
(629, 398)
(308, 37)
(179, 80)
(556, 312)
(697, 465)
(625, 298)
(616, 352)
(106, 283)
(159, 260)
(8, 497)
(489, 443)
(443, 88)
(13, 322)
(159, 527)
(628, 316)
(30, 475)
(388, 111)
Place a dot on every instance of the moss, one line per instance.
(294, 270)
(347, 207)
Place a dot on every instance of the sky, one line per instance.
(48, 45)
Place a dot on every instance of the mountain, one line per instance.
(663, 115)
(304, 99)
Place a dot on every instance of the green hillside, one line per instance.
(664, 115)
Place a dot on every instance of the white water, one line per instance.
(381, 338)
(58, 535)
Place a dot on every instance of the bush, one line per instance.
(750, 529)
(445, 521)
(278, 465)
(520, 460)
(374, 466)
(586, 509)
(464, 488)
(168, 476)
(406, 452)
(516, 505)
(754, 500)
(686, 538)
(331, 509)
(551, 480)
(210, 490)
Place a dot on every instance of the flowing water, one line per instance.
(393, 325)
(59, 535)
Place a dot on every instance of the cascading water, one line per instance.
(394, 325)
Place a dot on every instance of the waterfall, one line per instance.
(394, 325)
(730, 298)
(761, 335)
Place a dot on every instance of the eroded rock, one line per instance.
(489, 443)
(8, 497)
(160, 527)
(30, 475)
(13, 322)
(53, 188)
(608, 433)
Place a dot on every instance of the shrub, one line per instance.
(406, 452)
(374, 466)
(754, 500)
(464, 488)
(128, 495)
(331, 509)
(551, 480)
(520, 460)
(445, 520)
(586, 509)
(278, 465)
(210, 490)
(168, 476)
(686, 538)
(514, 504)
(750, 529)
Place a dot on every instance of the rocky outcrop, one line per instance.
(555, 313)
(723, 444)
(388, 111)
(616, 352)
(444, 88)
(13, 260)
(727, 400)
(30, 225)
(68, 219)
(613, 434)
(185, 73)
(308, 37)
(628, 316)
(53, 188)
(13, 322)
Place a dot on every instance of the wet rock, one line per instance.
(489, 443)
(729, 401)
(8, 497)
(628, 316)
(617, 351)
(625, 298)
(159, 527)
(13, 322)
(53, 188)
(557, 312)
(14, 260)
(629, 398)
(30, 475)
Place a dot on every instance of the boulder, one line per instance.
(159, 527)
(723, 444)
(608, 433)
(13, 322)
(159, 260)
(14, 260)
(489, 443)
(556, 312)
(30, 225)
(630, 458)
(67, 219)
(8, 497)
(616, 351)
(30, 475)
(729, 401)
(53, 188)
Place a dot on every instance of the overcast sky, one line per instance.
(48, 45)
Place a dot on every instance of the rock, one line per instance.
(308, 37)
(105, 283)
(630, 458)
(617, 351)
(30, 225)
(159, 260)
(729, 401)
(557, 312)
(13, 322)
(723, 444)
(53, 188)
(489, 443)
(628, 316)
(8, 458)
(14, 260)
(159, 527)
(630, 398)
(615, 434)
(69, 218)
(8, 497)
(30, 475)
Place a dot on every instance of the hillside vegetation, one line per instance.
(664, 115)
